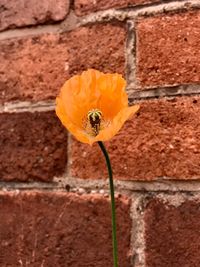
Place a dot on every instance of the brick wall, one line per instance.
(54, 203)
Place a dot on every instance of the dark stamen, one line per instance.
(95, 120)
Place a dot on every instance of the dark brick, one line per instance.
(22, 13)
(168, 49)
(172, 233)
(33, 146)
(61, 229)
(35, 68)
(162, 140)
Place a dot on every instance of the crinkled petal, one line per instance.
(71, 127)
(90, 90)
(113, 97)
(80, 94)
(93, 90)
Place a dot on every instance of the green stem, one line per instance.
(112, 194)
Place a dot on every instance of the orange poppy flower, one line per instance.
(93, 106)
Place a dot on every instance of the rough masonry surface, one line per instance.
(21, 13)
(35, 67)
(33, 146)
(161, 141)
(172, 233)
(168, 49)
(61, 229)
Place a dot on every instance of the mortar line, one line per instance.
(163, 184)
(122, 14)
(137, 241)
(94, 186)
(42, 106)
(69, 148)
(26, 106)
(130, 54)
(72, 21)
(161, 92)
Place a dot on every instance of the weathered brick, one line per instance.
(83, 7)
(61, 229)
(36, 67)
(162, 140)
(172, 233)
(33, 146)
(20, 13)
(168, 49)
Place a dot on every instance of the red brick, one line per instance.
(172, 234)
(19, 13)
(33, 146)
(168, 49)
(36, 67)
(162, 140)
(61, 229)
(83, 7)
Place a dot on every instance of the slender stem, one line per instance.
(112, 194)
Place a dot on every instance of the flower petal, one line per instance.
(116, 124)
(93, 90)
(71, 127)
(112, 88)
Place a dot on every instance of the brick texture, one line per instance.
(35, 68)
(162, 140)
(168, 49)
(61, 229)
(22, 13)
(33, 146)
(83, 7)
(172, 234)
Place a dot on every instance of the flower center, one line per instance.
(94, 117)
